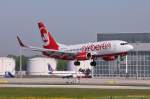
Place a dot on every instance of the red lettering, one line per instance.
(84, 48)
(92, 47)
(97, 47)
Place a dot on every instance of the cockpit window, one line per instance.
(123, 43)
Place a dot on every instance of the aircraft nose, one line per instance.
(131, 47)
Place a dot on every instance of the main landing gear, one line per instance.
(93, 63)
(76, 63)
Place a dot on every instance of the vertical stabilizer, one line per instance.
(49, 41)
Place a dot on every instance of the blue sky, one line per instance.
(70, 21)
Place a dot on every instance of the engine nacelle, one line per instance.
(83, 56)
(110, 58)
(114, 57)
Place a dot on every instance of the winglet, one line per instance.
(20, 42)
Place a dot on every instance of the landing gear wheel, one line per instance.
(93, 63)
(76, 63)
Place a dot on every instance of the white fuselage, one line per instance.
(100, 48)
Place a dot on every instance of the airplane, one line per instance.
(65, 74)
(107, 50)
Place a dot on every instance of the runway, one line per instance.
(75, 86)
(74, 83)
(83, 81)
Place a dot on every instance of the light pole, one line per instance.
(137, 64)
(137, 74)
(118, 65)
(20, 67)
(126, 64)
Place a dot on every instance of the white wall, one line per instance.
(39, 66)
(7, 65)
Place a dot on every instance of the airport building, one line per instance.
(138, 60)
(7, 67)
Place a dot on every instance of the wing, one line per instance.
(49, 52)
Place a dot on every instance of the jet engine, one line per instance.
(83, 56)
(110, 58)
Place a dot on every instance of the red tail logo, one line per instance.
(48, 40)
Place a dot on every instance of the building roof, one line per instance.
(129, 37)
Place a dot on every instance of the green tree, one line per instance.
(61, 65)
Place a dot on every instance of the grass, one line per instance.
(62, 93)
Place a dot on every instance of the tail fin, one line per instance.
(50, 69)
(49, 41)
